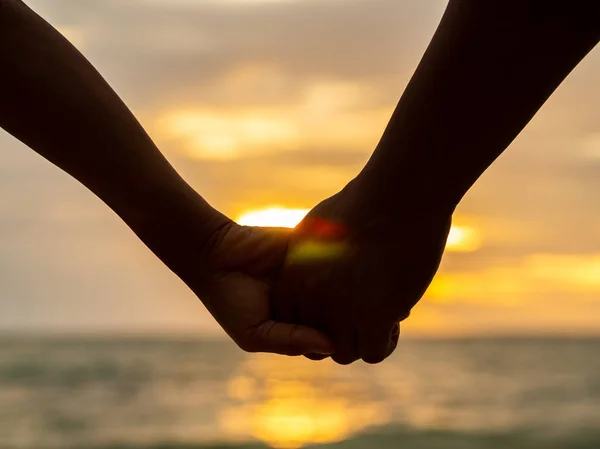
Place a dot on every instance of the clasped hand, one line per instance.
(338, 285)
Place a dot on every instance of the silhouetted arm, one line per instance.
(54, 101)
(489, 68)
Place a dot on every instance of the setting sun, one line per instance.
(273, 217)
(462, 239)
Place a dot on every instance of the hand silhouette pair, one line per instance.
(338, 285)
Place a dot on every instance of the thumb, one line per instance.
(288, 339)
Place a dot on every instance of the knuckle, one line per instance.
(316, 357)
(373, 359)
(344, 360)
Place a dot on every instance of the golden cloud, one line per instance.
(333, 115)
(534, 276)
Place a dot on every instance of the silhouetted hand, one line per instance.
(355, 273)
(237, 285)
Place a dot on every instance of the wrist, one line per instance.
(398, 199)
(177, 225)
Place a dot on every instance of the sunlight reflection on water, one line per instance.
(288, 403)
(96, 394)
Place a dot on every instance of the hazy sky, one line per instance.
(262, 103)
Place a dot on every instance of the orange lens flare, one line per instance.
(323, 240)
(323, 229)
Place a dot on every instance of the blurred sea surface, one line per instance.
(139, 393)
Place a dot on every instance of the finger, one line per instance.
(395, 339)
(376, 343)
(287, 339)
(346, 351)
(316, 357)
(395, 335)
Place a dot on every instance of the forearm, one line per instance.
(53, 100)
(489, 68)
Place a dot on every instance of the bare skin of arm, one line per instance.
(54, 101)
(489, 68)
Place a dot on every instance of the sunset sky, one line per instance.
(264, 103)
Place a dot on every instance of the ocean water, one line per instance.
(136, 393)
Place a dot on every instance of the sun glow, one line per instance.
(462, 239)
(273, 217)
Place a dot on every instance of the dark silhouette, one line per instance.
(363, 258)
(54, 101)
(489, 68)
